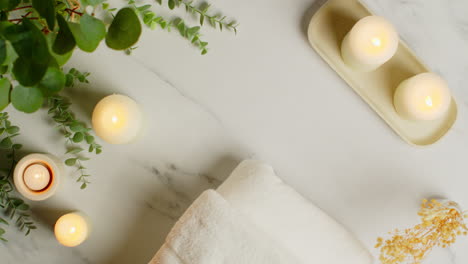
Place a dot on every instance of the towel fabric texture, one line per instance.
(212, 232)
(255, 218)
(289, 218)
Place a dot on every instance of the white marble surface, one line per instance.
(265, 94)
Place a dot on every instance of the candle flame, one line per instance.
(428, 101)
(72, 230)
(115, 119)
(376, 42)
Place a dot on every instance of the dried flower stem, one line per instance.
(442, 223)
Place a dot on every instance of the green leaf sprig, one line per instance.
(75, 75)
(216, 21)
(37, 38)
(76, 133)
(151, 20)
(13, 208)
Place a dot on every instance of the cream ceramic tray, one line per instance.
(326, 31)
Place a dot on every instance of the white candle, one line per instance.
(117, 119)
(425, 96)
(71, 229)
(370, 43)
(36, 177)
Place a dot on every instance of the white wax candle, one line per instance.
(425, 96)
(117, 119)
(71, 229)
(370, 43)
(36, 177)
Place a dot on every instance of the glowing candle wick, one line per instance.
(115, 119)
(376, 42)
(428, 101)
(72, 230)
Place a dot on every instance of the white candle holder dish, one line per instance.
(326, 31)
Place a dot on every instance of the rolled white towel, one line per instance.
(212, 232)
(309, 233)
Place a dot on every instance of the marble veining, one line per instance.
(180, 91)
(265, 94)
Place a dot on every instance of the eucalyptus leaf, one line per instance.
(89, 139)
(11, 55)
(5, 88)
(171, 4)
(28, 72)
(3, 221)
(58, 59)
(17, 146)
(20, 37)
(28, 41)
(27, 99)
(46, 9)
(74, 150)
(77, 127)
(88, 33)
(7, 5)
(23, 207)
(31, 45)
(53, 81)
(70, 162)
(16, 202)
(78, 137)
(3, 51)
(64, 42)
(6, 143)
(13, 130)
(124, 31)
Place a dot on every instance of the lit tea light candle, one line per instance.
(117, 119)
(37, 176)
(425, 96)
(71, 230)
(370, 43)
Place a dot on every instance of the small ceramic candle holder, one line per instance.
(37, 176)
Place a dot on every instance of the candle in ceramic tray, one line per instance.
(117, 119)
(425, 96)
(72, 229)
(370, 43)
(37, 176)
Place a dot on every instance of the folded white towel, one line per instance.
(310, 234)
(212, 232)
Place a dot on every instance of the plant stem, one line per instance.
(21, 19)
(213, 19)
(22, 7)
(73, 11)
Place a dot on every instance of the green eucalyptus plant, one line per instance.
(38, 37)
(14, 208)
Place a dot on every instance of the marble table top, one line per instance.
(262, 94)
